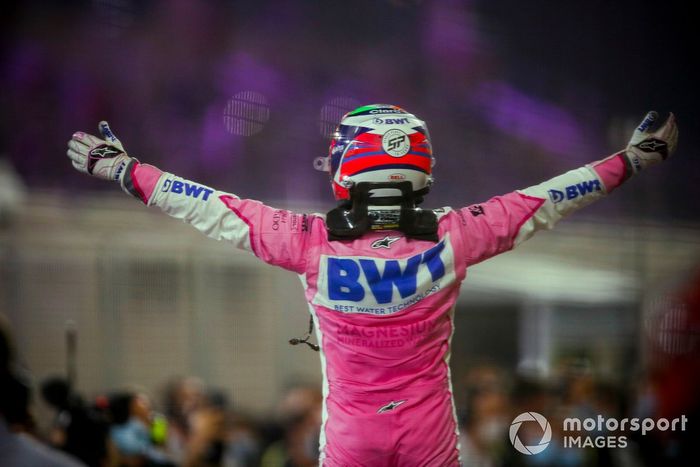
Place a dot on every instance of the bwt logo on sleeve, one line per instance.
(187, 188)
(574, 191)
(353, 283)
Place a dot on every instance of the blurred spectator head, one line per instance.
(78, 429)
(217, 398)
(299, 415)
(487, 408)
(127, 405)
(183, 396)
(297, 403)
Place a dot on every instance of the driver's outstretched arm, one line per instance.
(276, 236)
(504, 222)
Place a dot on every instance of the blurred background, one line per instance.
(117, 314)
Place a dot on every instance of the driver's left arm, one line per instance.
(503, 222)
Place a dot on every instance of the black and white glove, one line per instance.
(103, 158)
(652, 142)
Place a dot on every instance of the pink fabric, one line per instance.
(399, 355)
(492, 226)
(277, 236)
(612, 171)
(396, 356)
(388, 399)
(145, 177)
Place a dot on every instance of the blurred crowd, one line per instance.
(663, 384)
(492, 399)
(191, 424)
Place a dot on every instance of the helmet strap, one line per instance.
(364, 213)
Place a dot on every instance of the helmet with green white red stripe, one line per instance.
(379, 143)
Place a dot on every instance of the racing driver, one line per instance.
(380, 274)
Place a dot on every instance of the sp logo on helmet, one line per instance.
(530, 417)
(396, 143)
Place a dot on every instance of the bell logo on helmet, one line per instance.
(396, 143)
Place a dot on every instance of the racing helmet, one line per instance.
(379, 143)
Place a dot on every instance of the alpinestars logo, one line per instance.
(390, 406)
(476, 210)
(652, 145)
(104, 152)
(384, 242)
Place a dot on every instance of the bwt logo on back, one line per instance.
(188, 189)
(391, 121)
(346, 276)
(574, 191)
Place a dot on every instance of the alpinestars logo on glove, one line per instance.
(653, 145)
(104, 152)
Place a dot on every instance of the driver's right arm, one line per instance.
(278, 237)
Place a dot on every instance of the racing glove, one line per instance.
(103, 158)
(651, 142)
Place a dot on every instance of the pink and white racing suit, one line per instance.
(382, 304)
